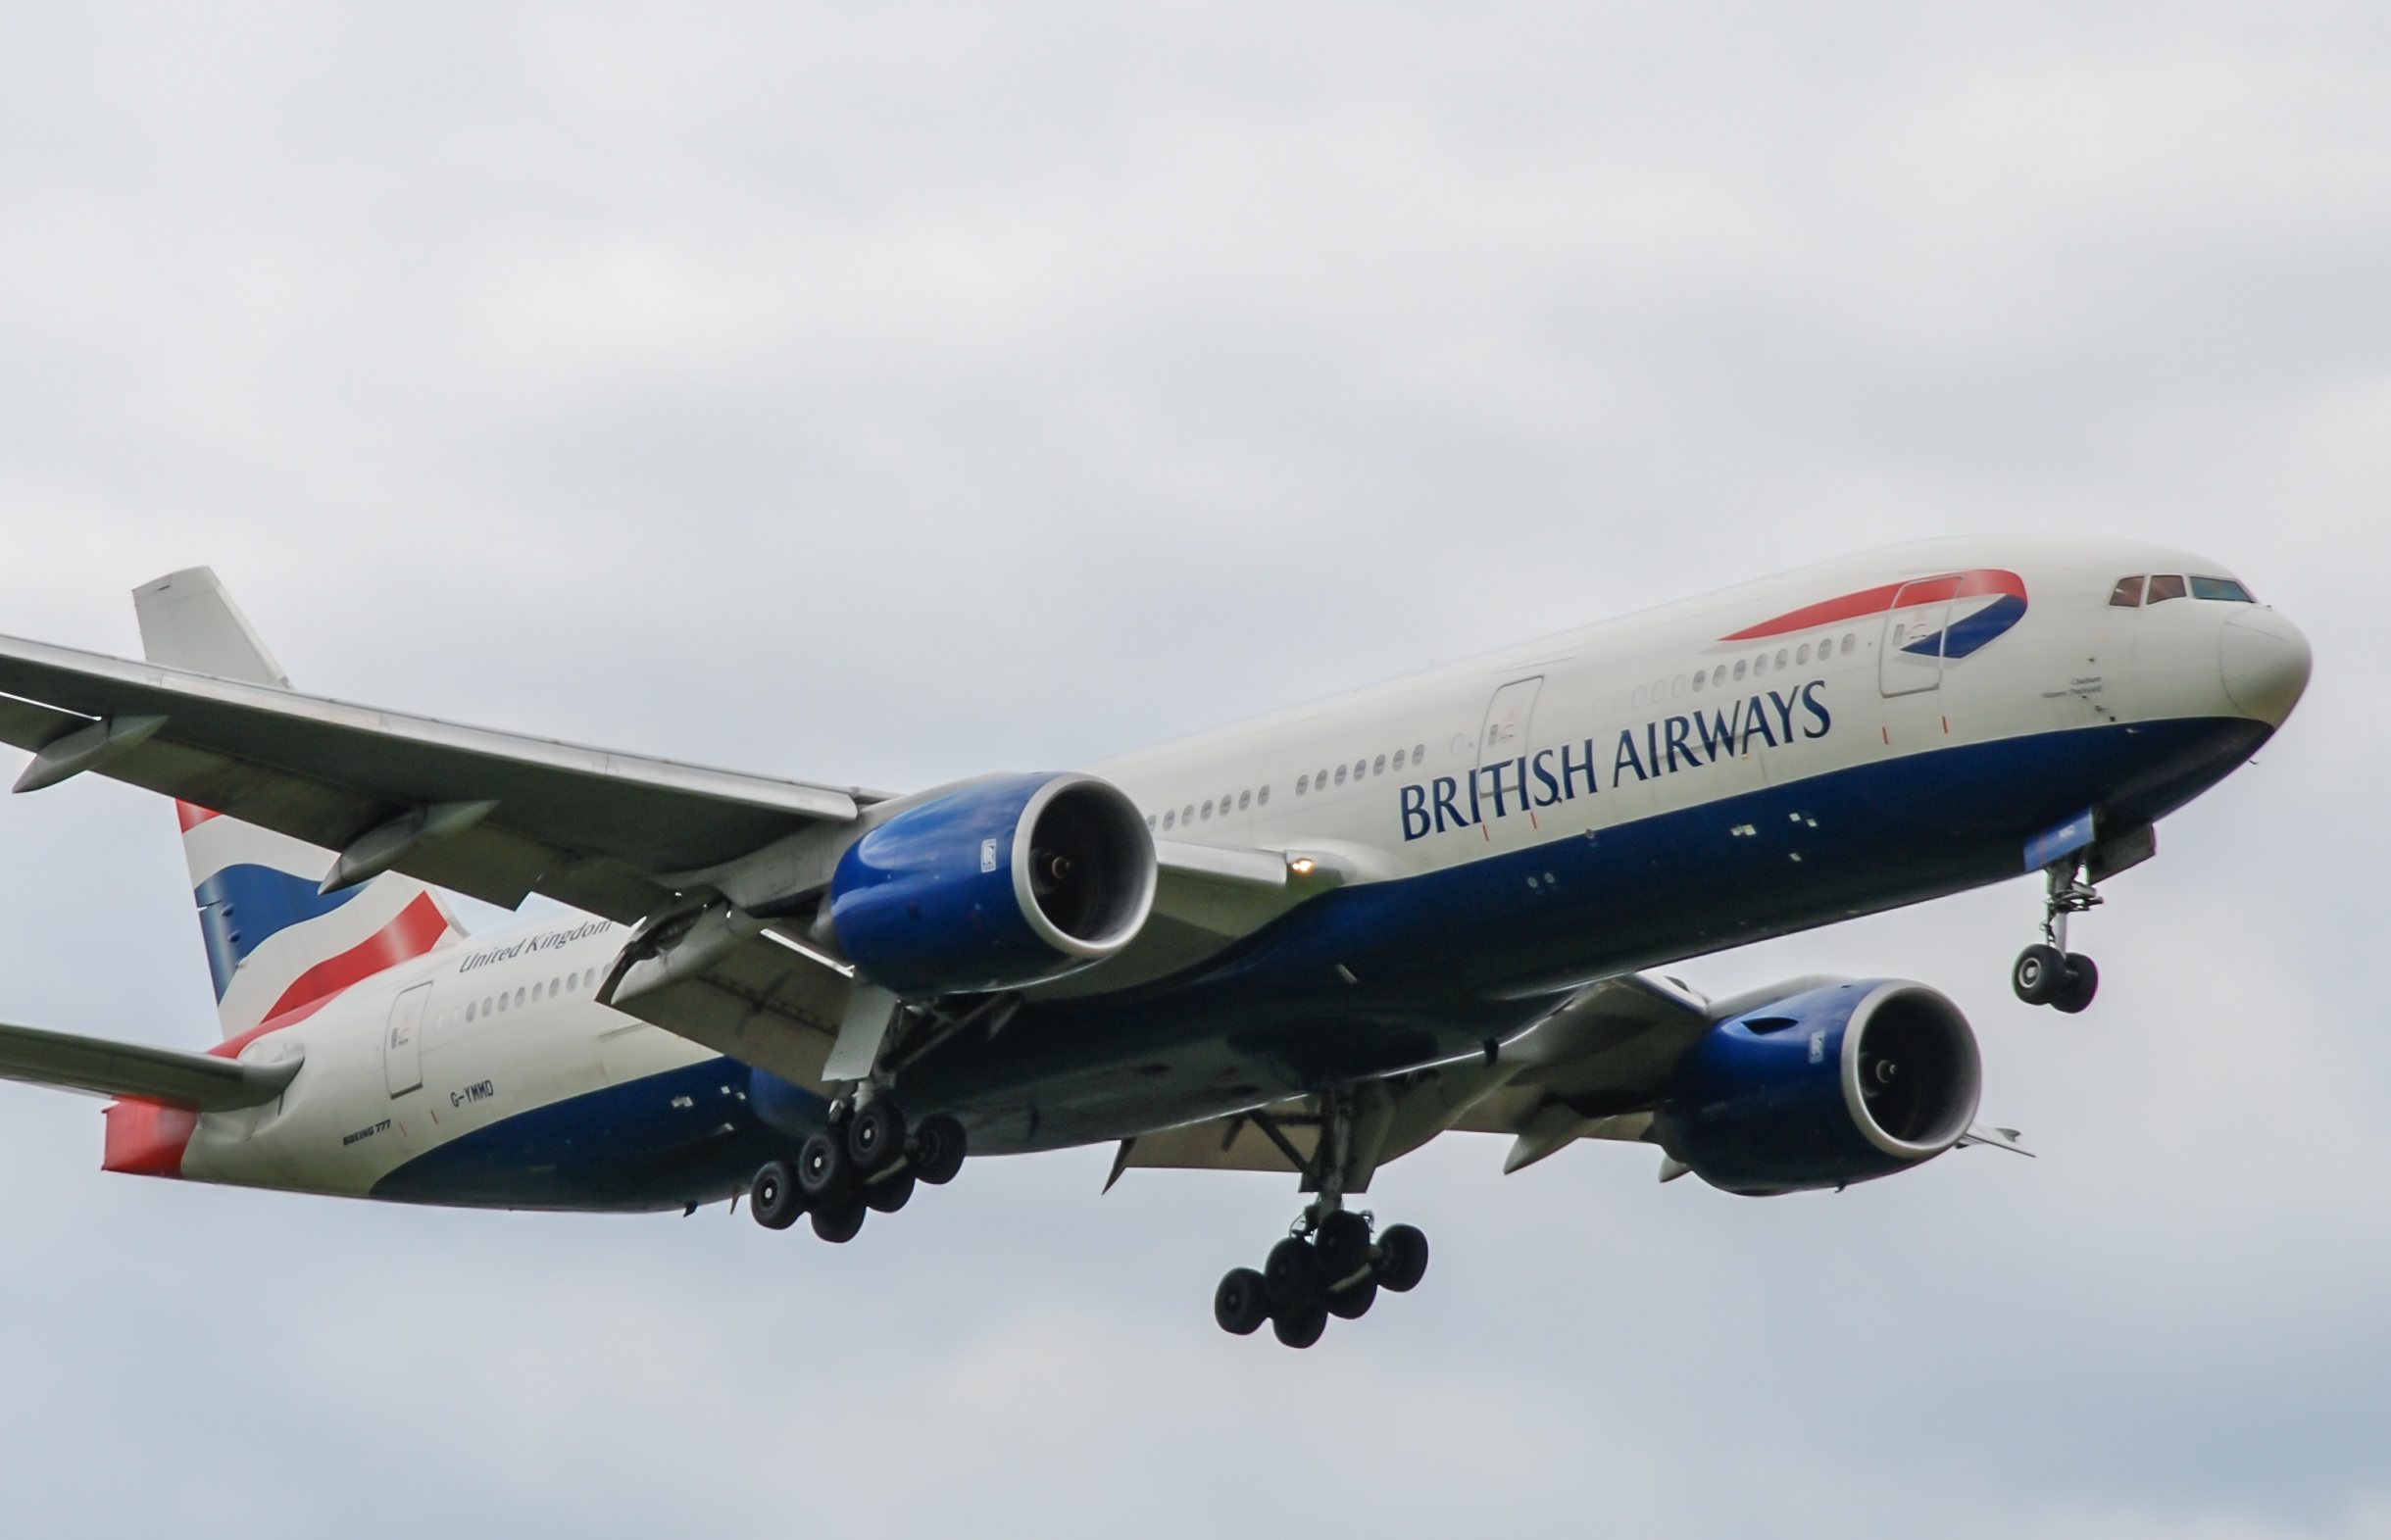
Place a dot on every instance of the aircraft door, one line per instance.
(1503, 740)
(1912, 657)
(403, 1041)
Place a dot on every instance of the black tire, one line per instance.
(773, 1197)
(1301, 1328)
(2083, 982)
(1402, 1257)
(1292, 1278)
(824, 1173)
(1353, 1302)
(890, 1193)
(2039, 974)
(876, 1136)
(937, 1155)
(1342, 1247)
(1241, 1304)
(839, 1224)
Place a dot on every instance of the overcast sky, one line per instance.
(882, 394)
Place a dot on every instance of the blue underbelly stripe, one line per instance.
(1443, 959)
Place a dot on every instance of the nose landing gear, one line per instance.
(2047, 973)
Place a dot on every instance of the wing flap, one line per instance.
(750, 997)
(73, 1062)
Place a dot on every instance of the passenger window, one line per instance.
(1245, 800)
(1188, 814)
(1739, 668)
(554, 984)
(1340, 775)
(1803, 656)
(468, 1010)
(1418, 749)
(1170, 819)
(1701, 680)
(2162, 587)
(1360, 766)
(1261, 798)
(2127, 594)
(1302, 785)
(1208, 807)
(1380, 767)
(1851, 639)
(2224, 588)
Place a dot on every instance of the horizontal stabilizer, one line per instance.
(211, 1083)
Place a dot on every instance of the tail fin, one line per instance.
(277, 949)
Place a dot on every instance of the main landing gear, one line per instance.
(2047, 973)
(867, 1160)
(1329, 1264)
(1335, 1270)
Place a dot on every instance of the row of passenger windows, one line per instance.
(2158, 588)
(532, 994)
(1305, 784)
(1318, 779)
(1754, 666)
(1240, 801)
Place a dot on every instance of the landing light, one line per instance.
(1301, 866)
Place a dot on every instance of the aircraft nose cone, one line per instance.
(2264, 661)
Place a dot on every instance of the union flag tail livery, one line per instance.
(1303, 944)
(277, 949)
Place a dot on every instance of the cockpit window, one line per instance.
(2220, 588)
(2165, 586)
(2127, 594)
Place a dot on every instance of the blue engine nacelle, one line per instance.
(1835, 1085)
(999, 883)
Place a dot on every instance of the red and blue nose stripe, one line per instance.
(1971, 624)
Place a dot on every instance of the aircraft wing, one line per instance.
(589, 828)
(1589, 1070)
(205, 1081)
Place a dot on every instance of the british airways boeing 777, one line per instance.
(1307, 944)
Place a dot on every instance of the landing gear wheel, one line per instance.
(1292, 1278)
(875, 1135)
(1352, 1301)
(839, 1224)
(1241, 1304)
(937, 1153)
(1300, 1328)
(1342, 1248)
(2082, 982)
(2040, 974)
(824, 1170)
(1402, 1257)
(889, 1194)
(773, 1198)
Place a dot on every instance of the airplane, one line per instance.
(1306, 944)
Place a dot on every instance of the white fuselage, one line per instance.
(1557, 739)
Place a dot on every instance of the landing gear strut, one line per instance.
(2047, 973)
(865, 1161)
(1329, 1264)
